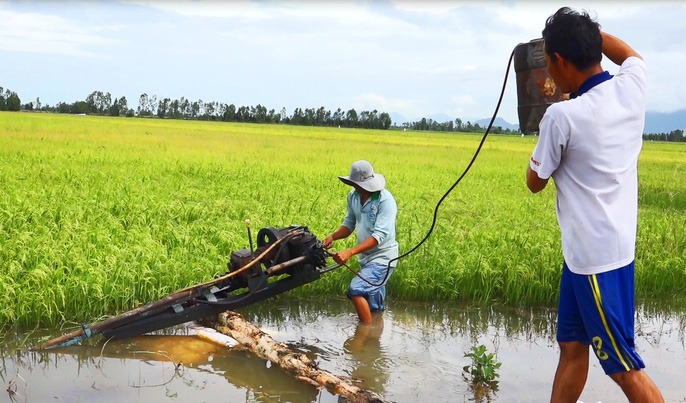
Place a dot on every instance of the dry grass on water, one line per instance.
(99, 215)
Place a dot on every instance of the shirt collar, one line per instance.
(374, 196)
(591, 82)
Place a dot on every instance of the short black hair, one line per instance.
(575, 36)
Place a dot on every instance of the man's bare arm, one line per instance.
(534, 183)
(616, 49)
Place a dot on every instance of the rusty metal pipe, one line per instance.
(281, 266)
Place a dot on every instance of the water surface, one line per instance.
(414, 352)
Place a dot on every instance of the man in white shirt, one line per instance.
(590, 145)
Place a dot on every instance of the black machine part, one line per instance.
(299, 243)
(298, 259)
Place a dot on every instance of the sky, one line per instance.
(409, 58)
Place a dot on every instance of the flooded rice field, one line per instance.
(412, 353)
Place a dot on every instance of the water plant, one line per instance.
(484, 366)
(483, 372)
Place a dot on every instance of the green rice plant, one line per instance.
(99, 215)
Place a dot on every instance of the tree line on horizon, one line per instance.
(102, 103)
(456, 125)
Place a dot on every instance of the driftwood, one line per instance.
(302, 367)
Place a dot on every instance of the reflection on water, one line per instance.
(412, 352)
(369, 357)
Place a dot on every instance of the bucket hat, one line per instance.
(362, 175)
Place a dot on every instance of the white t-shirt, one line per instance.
(590, 146)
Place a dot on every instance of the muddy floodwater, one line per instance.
(412, 353)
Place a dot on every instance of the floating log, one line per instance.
(302, 367)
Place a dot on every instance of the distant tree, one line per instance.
(351, 118)
(114, 109)
(79, 107)
(92, 102)
(105, 103)
(298, 117)
(338, 117)
(216, 108)
(99, 102)
(196, 109)
(243, 114)
(123, 106)
(62, 107)
(209, 111)
(174, 111)
(320, 116)
(676, 135)
(152, 105)
(385, 120)
(147, 105)
(309, 117)
(13, 101)
(273, 117)
(163, 108)
(260, 114)
(458, 125)
(363, 120)
(142, 105)
(374, 120)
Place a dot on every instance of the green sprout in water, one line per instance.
(482, 371)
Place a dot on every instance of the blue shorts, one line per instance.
(375, 295)
(598, 310)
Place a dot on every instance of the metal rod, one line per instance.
(279, 267)
(329, 268)
(252, 251)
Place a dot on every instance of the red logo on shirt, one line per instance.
(538, 164)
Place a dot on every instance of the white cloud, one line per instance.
(217, 9)
(38, 33)
(371, 101)
(463, 100)
(453, 70)
(665, 94)
(429, 6)
(410, 57)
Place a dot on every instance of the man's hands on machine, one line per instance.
(339, 257)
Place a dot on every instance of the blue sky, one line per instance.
(411, 58)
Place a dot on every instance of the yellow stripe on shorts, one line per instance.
(599, 303)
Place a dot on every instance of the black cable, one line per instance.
(476, 154)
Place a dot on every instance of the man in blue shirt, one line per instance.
(371, 210)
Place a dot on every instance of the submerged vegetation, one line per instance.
(99, 215)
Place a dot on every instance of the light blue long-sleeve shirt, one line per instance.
(375, 219)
